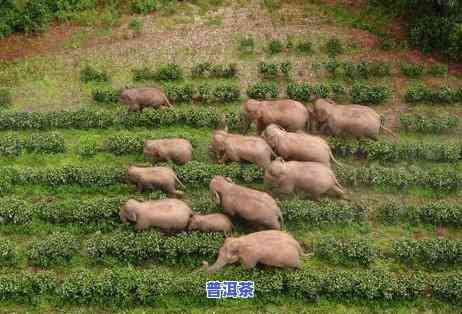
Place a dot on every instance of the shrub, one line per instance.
(366, 69)
(105, 95)
(8, 255)
(87, 147)
(428, 124)
(320, 90)
(227, 93)
(246, 44)
(57, 249)
(5, 97)
(338, 90)
(143, 6)
(34, 17)
(143, 74)
(363, 93)
(10, 145)
(332, 66)
(263, 90)
(304, 47)
(268, 70)
(417, 93)
(299, 91)
(275, 46)
(412, 69)
(136, 25)
(334, 47)
(444, 94)
(224, 71)
(169, 72)
(438, 69)
(201, 69)
(179, 93)
(285, 68)
(351, 252)
(89, 74)
(48, 143)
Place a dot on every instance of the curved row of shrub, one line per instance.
(389, 151)
(441, 95)
(199, 173)
(125, 286)
(105, 209)
(428, 123)
(13, 144)
(192, 247)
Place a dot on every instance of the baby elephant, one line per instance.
(298, 146)
(312, 178)
(235, 147)
(270, 247)
(256, 207)
(211, 223)
(167, 214)
(163, 178)
(139, 98)
(177, 150)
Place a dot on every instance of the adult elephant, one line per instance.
(348, 120)
(289, 114)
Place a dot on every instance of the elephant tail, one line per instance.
(386, 130)
(179, 181)
(281, 219)
(166, 100)
(333, 159)
(338, 186)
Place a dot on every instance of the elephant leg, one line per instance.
(223, 158)
(248, 262)
(140, 187)
(260, 127)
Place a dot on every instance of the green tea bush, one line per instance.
(105, 95)
(442, 95)
(45, 143)
(320, 90)
(226, 93)
(413, 70)
(122, 144)
(304, 47)
(332, 67)
(11, 145)
(136, 25)
(200, 70)
(131, 247)
(223, 71)
(5, 97)
(179, 93)
(246, 44)
(365, 69)
(89, 74)
(438, 69)
(285, 68)
(8, 254)
(299, 91)
(275, 46)
(87, 147)
(57, 249)
(143, 6)
(334, 47)
(169, 72)
(263, 90)
(338, 90)
(428, 123)
(268, 70)
(345, 252)
(429, 252)
(366, 94)
(26, 287)
(144, 74)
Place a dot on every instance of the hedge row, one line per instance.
(428, 124)
(105, 210)
(103, 119)
(362, 70)
(199, 173)
(442, 95)
(184, 93)
(13, 144)
(207, 69)
(346, 252)
(57, 249)
(436, 213)
(125, 286)
(389, 151)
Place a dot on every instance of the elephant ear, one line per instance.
(131, 215)
(233, 247)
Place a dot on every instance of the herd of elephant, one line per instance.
(293, 161)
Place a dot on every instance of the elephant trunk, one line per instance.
(219, 264)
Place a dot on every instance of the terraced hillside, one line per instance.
(394, 245)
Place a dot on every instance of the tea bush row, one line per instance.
(126, 286)
(272, 70)
(56, 249)
(210, 70)
(164, 72)
(389, 151)
(441, 95)
(346, 252)
(50, 143)
(362, 70)
(428, 123)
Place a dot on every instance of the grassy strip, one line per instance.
(428, 123)
(129, 286)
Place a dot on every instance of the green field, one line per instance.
(394, 246)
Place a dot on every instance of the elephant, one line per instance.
(289, 114)
(348, 120)
(163, 178)
(216, 222)
(139, 98)
(298, 146)
(167, 214)
(313, 178)
(269, 247)
(258, 208)
(177, 150)
(236, 147)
